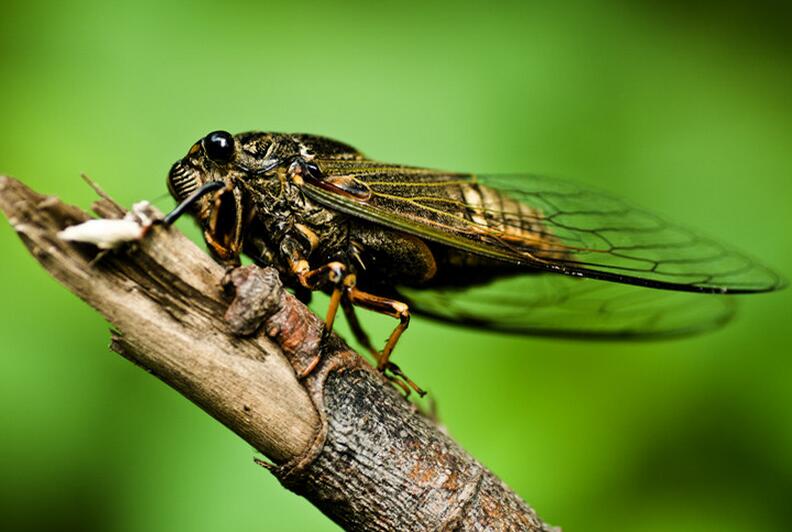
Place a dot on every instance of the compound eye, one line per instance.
(219, 146)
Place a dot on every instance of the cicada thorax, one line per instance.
(280, 212)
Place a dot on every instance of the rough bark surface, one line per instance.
(420, 477)
(343, 437)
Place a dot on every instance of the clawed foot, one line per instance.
(394, 374)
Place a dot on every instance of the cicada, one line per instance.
(523, 253)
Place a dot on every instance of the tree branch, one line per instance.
(344, 438)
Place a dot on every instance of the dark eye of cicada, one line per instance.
(219, 146)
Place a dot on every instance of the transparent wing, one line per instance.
(596, 233)
(542, 223)
(557, 305)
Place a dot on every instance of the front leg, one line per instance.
(333, 273)
(313, 279)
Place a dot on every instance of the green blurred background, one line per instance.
(681, 107)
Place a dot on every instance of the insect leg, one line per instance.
(339, 291)
(397, 376)
(389, 307)
(345, 293)
(395, 309)
(332, 272)
(400, 378)
(354, 324)
(229, 257)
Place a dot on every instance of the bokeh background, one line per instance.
(684, 107)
